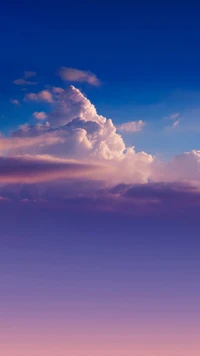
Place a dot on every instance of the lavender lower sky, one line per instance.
(97, 283)
(99, 178)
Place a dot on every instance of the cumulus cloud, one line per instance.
(182, 168)
(77, 144)
(44, 95)
(40, 115)
(131, 126)
(14, 101)
(77, 75)
(24, 81)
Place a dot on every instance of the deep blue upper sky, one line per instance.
(143, 54)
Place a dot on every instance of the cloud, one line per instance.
(14, 101)
(28, 140)
(181, 168)
(131, 126)
(87, 155)
(176, 120)
(155, 199)
(34, 169)
(40, 115)
(76, 75)
(44, 95)
(58, 90)
(176, 123)
(75, 130)
(23, 81)
(174, 116)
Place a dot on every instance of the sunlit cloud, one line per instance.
(131, 126)
(44, 95)
(40, 115)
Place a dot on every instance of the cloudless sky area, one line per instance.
(77, 281)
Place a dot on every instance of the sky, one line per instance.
(99, 179)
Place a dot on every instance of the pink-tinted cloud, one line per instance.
(176, 123)
(44, 95)
(75, 130)
(76, 75)
(23, 81)
(131, 126)
(34, 169)
(174, 116)
(14, 101)
(58, 90)
(40, 115)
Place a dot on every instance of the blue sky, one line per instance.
(99, 241)
(147, 58)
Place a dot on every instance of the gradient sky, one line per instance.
(99, 179)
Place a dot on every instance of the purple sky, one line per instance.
(99, 180)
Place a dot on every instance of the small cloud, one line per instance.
(44, 95)
(76, 75)
(176, 123)
(132, 126)
(24, 81)
(57, 90)
(174, 116)
(40, 115)
(14, 101)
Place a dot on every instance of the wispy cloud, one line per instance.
(24, 81)
(77, 75)
(176, 123)
(131, 126)
(14, 101)
(174, 116)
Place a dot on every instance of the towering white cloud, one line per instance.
(74, 130)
